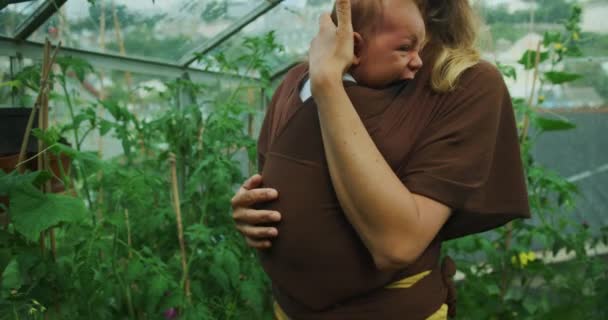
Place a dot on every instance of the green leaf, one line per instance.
(79, 66)
(528, 59)
(217, 273)
(252, 293)
(29, 77)
(551, 37)
(5, 255)
(156, 289)
(105, 126)
(546, 124)
(33, 211)
(14, 180)
(11, 278)
(558, 77)
(89, 158)
(11, 84)
(507, 71)
(574, 51)
(232, 265)
(135, 270)
(530, 306)
(50, 136)
(198, 233)
(492, 289)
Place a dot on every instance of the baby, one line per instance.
(319, 260)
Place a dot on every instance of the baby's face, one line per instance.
(392, 52)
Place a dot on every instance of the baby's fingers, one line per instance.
(343, 13)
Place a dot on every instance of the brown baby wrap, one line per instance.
(459, 148)
(317, 249)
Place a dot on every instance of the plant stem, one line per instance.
(180, 231)
(121, 281)
(239, 85)
(76, 140)
(524, 132)
(128, 233)
(522, 138)
(30, 121)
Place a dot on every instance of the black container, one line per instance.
(13, 122)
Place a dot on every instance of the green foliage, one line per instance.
(33, 211)
(557, 77)
(263, 49)
(117, 253)
(528, 59)
(505, 275)
(546, 124)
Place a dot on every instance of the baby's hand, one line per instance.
(331, 52)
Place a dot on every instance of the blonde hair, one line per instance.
(451, 28)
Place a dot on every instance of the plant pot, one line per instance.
(13, 122)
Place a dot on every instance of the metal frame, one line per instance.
(37, 18)
(190, 57)
(33, 50)
(29, 49)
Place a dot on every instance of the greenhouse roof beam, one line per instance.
(36, 19)
(5, 3)
(191, 56)
(33, 50)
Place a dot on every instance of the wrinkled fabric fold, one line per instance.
(447, 271)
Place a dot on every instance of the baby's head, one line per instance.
(389, 35)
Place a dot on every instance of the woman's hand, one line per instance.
(331, 51)
(247, 219)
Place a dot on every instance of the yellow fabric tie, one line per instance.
(278, 312)
(409, 281)
(441, 314)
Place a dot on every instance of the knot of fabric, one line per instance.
(448, 270)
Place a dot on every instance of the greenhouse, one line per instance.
(130, 130)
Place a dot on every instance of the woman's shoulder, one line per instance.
(296, 72)
(478, 87)
(482, 73)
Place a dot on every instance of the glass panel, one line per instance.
(5, 77)
(139, 94)
(516, 26)
(162, 30)
(15, 92)
(14, 14)
(298, 24)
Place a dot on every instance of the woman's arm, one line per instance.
(395, 225)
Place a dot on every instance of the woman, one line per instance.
(437, 160)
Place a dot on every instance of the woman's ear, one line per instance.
(358, 47)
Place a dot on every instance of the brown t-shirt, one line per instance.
(459, 148)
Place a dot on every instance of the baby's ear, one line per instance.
(358, 42)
